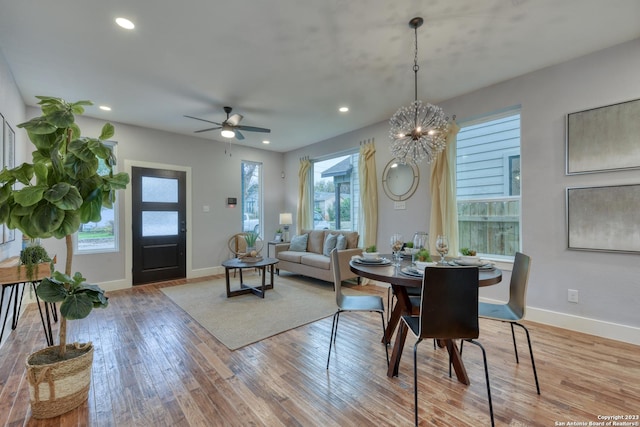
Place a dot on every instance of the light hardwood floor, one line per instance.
(155, 366)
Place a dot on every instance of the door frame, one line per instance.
(128, 197)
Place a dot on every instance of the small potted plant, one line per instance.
(251, 238)
(371, 253)
(30, 259)
(469, 256)
(423, 259)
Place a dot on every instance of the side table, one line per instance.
(273, 243)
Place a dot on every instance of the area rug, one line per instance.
(241, 320)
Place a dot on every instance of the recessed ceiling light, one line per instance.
(343, 109)
(105, 108)
(266, 142)
(125, 23)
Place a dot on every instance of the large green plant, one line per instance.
(58, 192)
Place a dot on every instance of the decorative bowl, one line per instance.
(470, 260)
(371, 255)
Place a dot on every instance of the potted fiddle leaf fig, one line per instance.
(51, 197)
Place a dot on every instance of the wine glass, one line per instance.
(396, 242)
(420, 241)
(442, 246)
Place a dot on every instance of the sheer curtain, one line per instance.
(368, 224)
(444, 209)
(305, 218)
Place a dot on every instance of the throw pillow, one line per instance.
(329, 244)
(299, 243)
(341, 243)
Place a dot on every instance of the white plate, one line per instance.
(381, 261)
(470, 263)
(413, 272)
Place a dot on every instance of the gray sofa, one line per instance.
(313, 262)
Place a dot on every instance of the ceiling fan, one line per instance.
(231, 127)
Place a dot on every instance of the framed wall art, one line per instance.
(604, 218)
(7, 157)
(604, 139)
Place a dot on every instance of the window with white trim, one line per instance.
(101, 236)
(488, 183)
(336, 193)
(252, 197)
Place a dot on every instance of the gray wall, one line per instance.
(608, 284)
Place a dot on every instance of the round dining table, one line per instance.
(400, 282)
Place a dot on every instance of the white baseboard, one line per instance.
(600, 328)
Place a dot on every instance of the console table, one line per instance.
(11, 279)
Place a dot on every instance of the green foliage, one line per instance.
(424, 256)
(251, 237)
(62, 188)
(371, 248)
(70, 180)
(30, 257)
(467, 252)
(408, 245)
(77, 297)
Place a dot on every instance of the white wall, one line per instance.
(608, 284)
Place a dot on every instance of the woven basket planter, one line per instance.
(59, 387)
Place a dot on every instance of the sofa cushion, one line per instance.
(299, 243)
(341, 242)
(316, 241)
(316, 260)
(330, 242)
(291, 256)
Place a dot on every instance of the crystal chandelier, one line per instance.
(418, 131)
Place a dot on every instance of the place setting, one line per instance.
(370, 259)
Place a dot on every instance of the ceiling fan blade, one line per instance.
(253, 129)
(234, 119)
(239, 136)
(203, 120)
(208, 129)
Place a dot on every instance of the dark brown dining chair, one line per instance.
(371, 303)
(448, 311)
(514, 310)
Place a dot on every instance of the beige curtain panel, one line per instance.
(368, 224)
(444, 209)
(305, 218)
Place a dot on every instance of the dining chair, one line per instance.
(514, 310)
(448, 311)
(371, 303)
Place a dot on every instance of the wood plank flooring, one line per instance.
(155, 366)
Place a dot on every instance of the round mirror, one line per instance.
(400, 181)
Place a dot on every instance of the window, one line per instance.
(488, 185)
(252, 197)
(102, 236)
(335, 193)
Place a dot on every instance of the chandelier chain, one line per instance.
(416, 67)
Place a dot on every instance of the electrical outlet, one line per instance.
(572, 295)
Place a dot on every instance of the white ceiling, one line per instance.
(289, 64)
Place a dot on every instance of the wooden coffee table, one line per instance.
(238, 263)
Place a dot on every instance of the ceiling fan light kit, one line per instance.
(418, 131)
(231, 126)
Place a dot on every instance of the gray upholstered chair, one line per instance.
(514, 310)
(372, 303)
(448, 311)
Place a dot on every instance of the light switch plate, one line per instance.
(399, 205)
